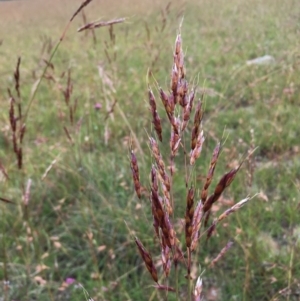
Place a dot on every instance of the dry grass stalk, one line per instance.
(135, 174)
(68, 134)
(164, 288)
(83, 4)
(3, 171)
(18, 132)
(147, 260)
(97, 24)
(221, 254)
(48, 169)
(6, 200)
(26, 195)
(13, 124)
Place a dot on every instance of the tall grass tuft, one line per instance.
(179, 248)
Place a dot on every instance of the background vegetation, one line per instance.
(82, 209)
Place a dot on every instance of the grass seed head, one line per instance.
(197, 219)
(147, 260)
(195, 153)
(210, 173)
(196, 126)
(135, 174)
(221, 254)
(198, 290)
(189, 214)
(155, 117)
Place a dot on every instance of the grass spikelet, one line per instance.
(22, 133)
(225, 214)
(225, 181)
(195, 153)
(12, 118)
(165, 257)
(20, 157)
(147, 260)
(165, 180)
(233, 209)
(198, 214)
(155, 117)
(135, 174)
(196, 126)
(210, 173)
(168, 231)
(17, 78)
(189, 214)
(221, 254)
(198, 290)
(188, 109)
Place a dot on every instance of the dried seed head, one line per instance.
(195, 153)
(210, 230)
(187, 110)
(182, 89)
(22, 132)
(174, 79)
(147, 259)
(210, 173)
(221, 254)
(154, 182)
(135, 174)
(20, 158)
(12, 118)
(157, 209)
(198, 290)
(165, 180)
(233, 209)
(174, 142)
(163, 97)
(223, 183)
(189, 214)
(168, 231)
(155, 117)
(165, 257)
(155, 219)
(17, 77)
(198, 214)
(196, 126)
(178, 43)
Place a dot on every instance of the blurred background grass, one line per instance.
(75, 224)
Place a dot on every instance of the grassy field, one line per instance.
(72, 236)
